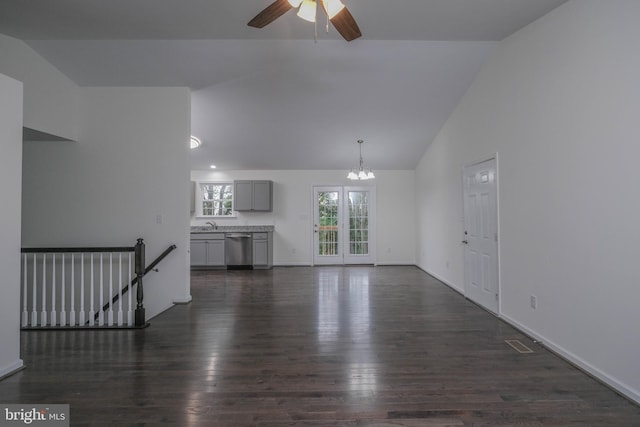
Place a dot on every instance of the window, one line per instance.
(216, 199)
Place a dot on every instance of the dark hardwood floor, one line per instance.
(325, 346)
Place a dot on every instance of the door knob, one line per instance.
(466, 242)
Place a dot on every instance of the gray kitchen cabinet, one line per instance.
(207, 250)
(215, 253)
(253, 196)
(262, 250)
(198, 252)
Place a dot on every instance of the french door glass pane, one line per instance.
(328, 227)
(358, 223)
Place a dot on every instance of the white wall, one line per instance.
(559, 101)
(50, 98)
(10, 193)
(127, 172)
(292, 214)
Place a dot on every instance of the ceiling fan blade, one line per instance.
(346, 25)
(270, 13)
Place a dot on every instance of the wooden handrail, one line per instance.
(105, 249)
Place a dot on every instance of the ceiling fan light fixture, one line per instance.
(307, 10)
(335, 11)
(332, 7)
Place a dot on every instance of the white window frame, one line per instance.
(200, 199)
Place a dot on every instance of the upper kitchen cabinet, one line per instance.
(253, 196)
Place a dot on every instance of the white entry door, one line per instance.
(344, 220)
(481, 234)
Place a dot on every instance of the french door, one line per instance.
(344, 225)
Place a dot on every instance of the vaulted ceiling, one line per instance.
(273, 98)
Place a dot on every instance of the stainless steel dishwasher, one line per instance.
(237, 248)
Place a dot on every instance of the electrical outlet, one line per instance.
(533, 301)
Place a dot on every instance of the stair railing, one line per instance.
(68, 287)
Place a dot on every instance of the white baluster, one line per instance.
(54, 320)
(82, 289)
(72, 312)
(101, 311)
(92, 313)
(120, 321)
(43, 315)
(130, 312)
(25, 288)
(110, 321)
(63, 309)
(34, 313)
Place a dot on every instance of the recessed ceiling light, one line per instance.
(212, 166)
(195, 142)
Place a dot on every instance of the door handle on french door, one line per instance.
(466, 242)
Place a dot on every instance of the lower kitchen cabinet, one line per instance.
(207, 250)
(262, 250)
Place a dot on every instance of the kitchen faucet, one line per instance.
(213, 225)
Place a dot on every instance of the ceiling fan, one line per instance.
(336, 12)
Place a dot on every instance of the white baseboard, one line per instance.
(443, 280)
(617, 385)
(397, 263)
(292, 264)
(162, 310)
(11, 369)
(307, 264)
(578, 362)
(183, 300)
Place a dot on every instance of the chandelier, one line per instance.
(360, 173)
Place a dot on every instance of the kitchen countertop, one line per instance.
(232, 228)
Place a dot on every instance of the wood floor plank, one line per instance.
(302, 346)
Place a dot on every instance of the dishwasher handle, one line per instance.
(237, 236)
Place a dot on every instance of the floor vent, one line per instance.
(518, 346)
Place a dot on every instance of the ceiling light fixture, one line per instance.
(333, 7)
(308, 10)
(360, 173)
(194, 142)
(334, 10)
